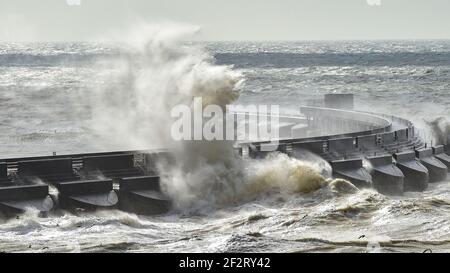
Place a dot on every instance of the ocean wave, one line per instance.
(287, 206)
(288, 60)
(35, 60)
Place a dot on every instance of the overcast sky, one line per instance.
(64, 20)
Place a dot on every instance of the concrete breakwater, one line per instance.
(82, 182)
(367, 149)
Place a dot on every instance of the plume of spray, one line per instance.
(440, 129)
(155, 72)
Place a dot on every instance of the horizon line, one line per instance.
(244, 41)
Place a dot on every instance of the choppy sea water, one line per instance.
(44, 109)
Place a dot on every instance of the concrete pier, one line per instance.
(416, 174)
(353, 171)
(89, 194)
(437, 170)
(16, 199)
(386, 177)
(440, 154)
(142, 195)
(342, 137)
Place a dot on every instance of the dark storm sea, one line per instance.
(43, 110)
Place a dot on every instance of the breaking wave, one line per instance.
(440, 129)
(155, 73)
(279, 204)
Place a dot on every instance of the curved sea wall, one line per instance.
(367, 149)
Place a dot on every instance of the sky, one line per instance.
(85, 20)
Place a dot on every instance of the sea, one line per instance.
(45, 108)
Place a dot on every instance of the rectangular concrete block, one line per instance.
(139, 183)
(108, 162)
(447, 149)
(3, 170)
(405, 156)
(401, 135)
(316, 147)
(424, 153)
(45, 167)
(367, 142)
(381, 160)
(438, 149)
(341, 144)
(85, 187)
(339, 101)
(263, 149)
(271, 147)
(29, 192)
(346, 164)
(387, 138)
